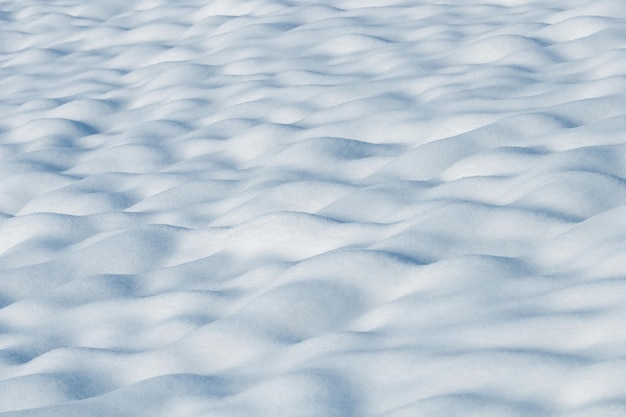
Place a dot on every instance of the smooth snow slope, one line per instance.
(236, 208)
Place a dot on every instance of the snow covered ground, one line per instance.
(349, 208)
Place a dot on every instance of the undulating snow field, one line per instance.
(349, 208)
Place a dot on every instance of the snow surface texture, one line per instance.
(239, 208)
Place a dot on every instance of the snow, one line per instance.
(272, 208)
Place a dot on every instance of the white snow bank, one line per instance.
(269, 208)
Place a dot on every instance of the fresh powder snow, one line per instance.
(310, 208)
